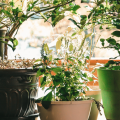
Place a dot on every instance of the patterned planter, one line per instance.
(18, 88)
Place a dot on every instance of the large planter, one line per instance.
(109, 83)
(66, 110)
(18, 88)
(96, 94)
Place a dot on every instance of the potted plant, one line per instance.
(18, 87)
(66, 87)
(108, 75)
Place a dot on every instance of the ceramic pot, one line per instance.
(66, 110)
(18, 88)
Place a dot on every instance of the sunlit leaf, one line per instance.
(71, 47)
(88, 35)
(58, 43)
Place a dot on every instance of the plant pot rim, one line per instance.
(19, 71)
(104, 69)
(68, 102)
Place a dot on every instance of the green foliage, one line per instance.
(68, 81)
(106, 12)
(13, 15)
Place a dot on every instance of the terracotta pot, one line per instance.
(66, 110)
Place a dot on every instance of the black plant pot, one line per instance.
(18, 88)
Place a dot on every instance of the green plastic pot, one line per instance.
(109, 83)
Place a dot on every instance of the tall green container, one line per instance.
(109, 83)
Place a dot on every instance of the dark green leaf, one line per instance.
(74, 22)
(101, 27)
(90, 15)
(116, 33)
(57, 79)
(46, 101)
(83, 17)
(102, 41)
(111, 41)
(67, 73)
(101, 6)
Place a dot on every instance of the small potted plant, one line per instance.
(66, 83)
(108, 14)
(18, 82)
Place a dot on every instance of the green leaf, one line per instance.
(50, 57)
(40, 72)
(111, 41)
(102, 41)
(46, 101)
(90, 14)
(42, 81)
(74, 33)
(85, 75)
(56, 69)
(67, 73)
(57, 19)
(20, 21)
(46, 48)
(76, 7)
(90, 79)
(116, 33)
(12, 3)
(15, 42)
(83, 17)
(71, 47)
(88, 35)
(110, 62)
(38, 100)
(101, 6)
(57, 79)
(58, 44)
(101, 27)
(74, 22)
